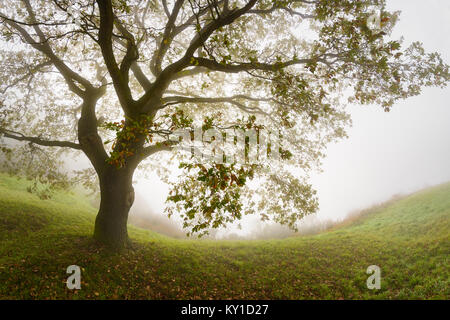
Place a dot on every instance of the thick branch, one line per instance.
(135, 68)
(247, 66)
(155, 63)
(206, 31)
(150, 101)
(90, 141)
(175, 30)
(189, 72)
(37, 140)
(165, 146)
(132, 51)
(118, 75)
(140, 76)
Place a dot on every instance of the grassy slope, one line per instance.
(408, 239)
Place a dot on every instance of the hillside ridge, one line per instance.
(408, 239)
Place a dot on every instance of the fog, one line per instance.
(397, 152)
(386, 154)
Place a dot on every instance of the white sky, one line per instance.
(400, 151)
(387, 153)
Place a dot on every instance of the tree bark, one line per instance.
(117, 197)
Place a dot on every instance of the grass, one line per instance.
(408, 239)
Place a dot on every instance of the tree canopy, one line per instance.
(115, 79)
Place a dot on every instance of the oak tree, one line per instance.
(113, 80)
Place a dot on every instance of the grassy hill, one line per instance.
(408, 239)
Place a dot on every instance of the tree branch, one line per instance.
(118, 75)
(247, 66)
(281, 6)
(231, 100)
(135, 68)
(164, 146)
(31, 72)
(155, 63)
(150, 101)
(90, 141)
(69, 75)
(36, 140)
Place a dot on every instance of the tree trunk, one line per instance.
(117, 197)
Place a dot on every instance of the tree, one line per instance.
(115, 79)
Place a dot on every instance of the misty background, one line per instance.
(386, 154)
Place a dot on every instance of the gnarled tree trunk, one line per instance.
(117, 197)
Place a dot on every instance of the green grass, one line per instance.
(408, 239)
